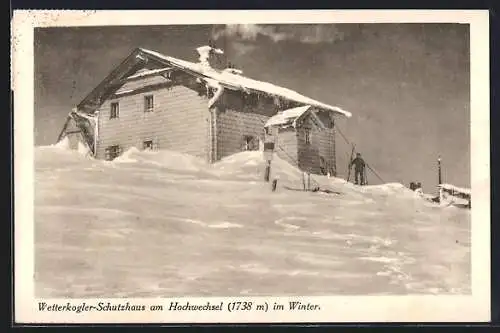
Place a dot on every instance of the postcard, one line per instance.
(251, 166)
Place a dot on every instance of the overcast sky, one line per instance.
(407, 85)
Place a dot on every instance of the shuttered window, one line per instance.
(307, 134)
(148, 145)
(112, 152)
(115, 110)
(250, 143)
(148, 103)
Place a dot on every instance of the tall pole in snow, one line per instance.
(268, 156)
(334, 148)
(440, 180)
(439, 171)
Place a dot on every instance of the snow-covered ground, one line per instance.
(158, 224)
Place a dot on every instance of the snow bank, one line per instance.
(244, 166)
(247, 164)
(251, 165)
(146, 211)
(389, 187)
(163, 158)
(392, 189)
(127, 156)
(83, 149)
(63, 144)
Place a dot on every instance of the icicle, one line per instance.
(216, 96)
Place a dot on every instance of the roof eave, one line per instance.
(93, 99)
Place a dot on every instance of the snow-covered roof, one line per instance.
(455, 188)
(239, 82)
(289, 117)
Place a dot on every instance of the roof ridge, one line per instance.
(242, 82)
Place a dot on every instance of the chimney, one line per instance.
(208, 55)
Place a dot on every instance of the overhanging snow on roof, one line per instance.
(240, 82)
(227, 79)
(289, 117)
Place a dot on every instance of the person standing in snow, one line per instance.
(359, 169)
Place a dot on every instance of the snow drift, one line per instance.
(167, 224)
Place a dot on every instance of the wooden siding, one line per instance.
(232, 126)
(286, 145)
(236, 119)
(179, 121)
(317, 156)
(326, 142)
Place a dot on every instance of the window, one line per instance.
(250, 143)
(115, 110)
(147, 145)
(307, 132)
(148, 103)
(112, 152)
(167, 75)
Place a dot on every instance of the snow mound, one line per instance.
(251, 165)
(63, 144)
(242, 157)
(127, 156)
(389, 188)
(164, 158)
(82, 149)
(62, 152)
(248, 166)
